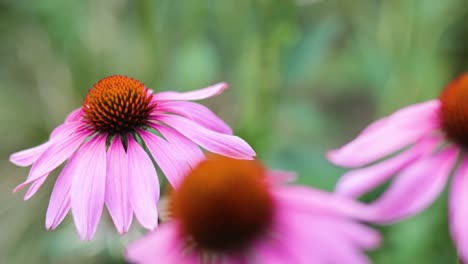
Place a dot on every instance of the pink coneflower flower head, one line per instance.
(235, 211)
(109, 143)
(418, 146)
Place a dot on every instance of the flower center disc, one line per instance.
(117, 104)
(224, 204)
(454, 114)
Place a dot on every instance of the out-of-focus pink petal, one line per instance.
(88, 186)
(322, 242)
(458, 209)
(226, 145)
(55, 155)
(397, 131)
(362, 236)
(268, 255)
(192, 95)
(174, 166)
(281, 177)
(186, 149)
(144, 185)
(358, 182)
(337, 248)
(29, 156)
(161, 246)
(198, 113)
(415, 188)
(117, 196)
(59, 203)
(312, 200)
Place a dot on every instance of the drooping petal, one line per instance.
(397, 131)
(358, 182)
(458, 211)
(55, 155)
(158, 245)
(59, 203)
(307, 199)
(197, 113)
(226, 145)
(88, 186)
(117, 196)
(186, 149)
(174, 167)
(144, 185)
(35, 186)
(415, 188)
(200, 94)
(27, 157)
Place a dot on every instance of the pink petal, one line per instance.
(400, 129)
(458, 211)
(64, 130)
(35, 187)
(227, 145)
(193, 95)
(358, 182)
(197, 113)
(166, 157)
(186, 149)
(337, 248)
(59, 203)
(117, 196)
(320, 241)
(55, 155)
(144, 185)
(313, 200)
(89, 186)
(270, 255)
(29, 156)
(157, 245)
(362, 235)
(415, 188)
(281, 177)
(75, 115)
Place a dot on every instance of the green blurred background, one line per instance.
(305, 76)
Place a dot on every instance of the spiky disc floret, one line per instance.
(117, 105)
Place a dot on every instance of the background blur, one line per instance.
(305, 76)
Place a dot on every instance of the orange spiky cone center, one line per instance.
(117, 105)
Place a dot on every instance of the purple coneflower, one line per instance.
(426, 141)
(109, 142)
(236, 212)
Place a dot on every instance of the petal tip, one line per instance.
(223, 86)
(331, 155)
(18, 188)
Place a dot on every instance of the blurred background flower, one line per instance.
(305, 76)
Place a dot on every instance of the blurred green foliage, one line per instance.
(305, 76)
